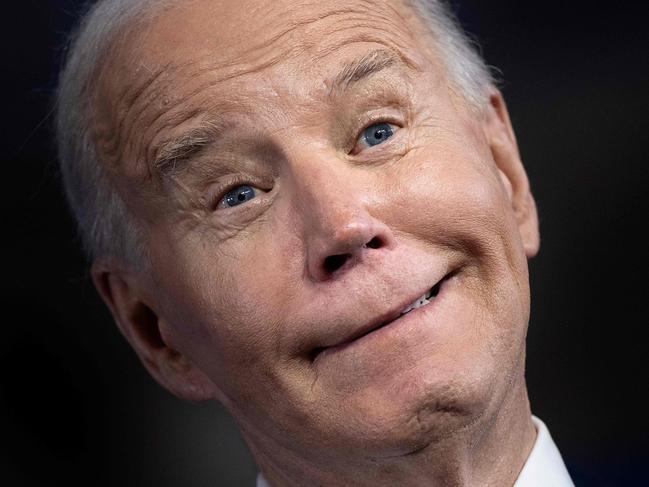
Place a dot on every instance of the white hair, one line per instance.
(461, 56)
(106, 226)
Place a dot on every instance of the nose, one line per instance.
(340, 229)
(344, 243)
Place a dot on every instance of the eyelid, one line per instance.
(222, 204)
(217, 192)
(375, 121)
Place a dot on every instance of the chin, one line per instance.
(409, 416)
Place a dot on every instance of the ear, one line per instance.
(504, 149)
(143, 327)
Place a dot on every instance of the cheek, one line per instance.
(448, 185)
(229, 304)
(450, 200)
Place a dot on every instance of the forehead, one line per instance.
(198, 53)
(227, 39)
(255, 31)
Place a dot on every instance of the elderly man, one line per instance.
(316, 214)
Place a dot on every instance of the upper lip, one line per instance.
(377, 322)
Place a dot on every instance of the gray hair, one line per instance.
(106, 226)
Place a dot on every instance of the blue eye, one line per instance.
(238, 195)
(376, 134)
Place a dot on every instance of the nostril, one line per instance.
(375, 243)
(335, 262)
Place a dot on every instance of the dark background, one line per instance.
(76, 407)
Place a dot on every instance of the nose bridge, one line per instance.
(333, 201)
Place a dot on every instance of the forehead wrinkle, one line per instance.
(302, 23)
(131, 95)
(155, 91)
(127, 100)
(398, 49)
(138, 107)
(182, 107)
(268, 44)
(152, 87)
(167, 155)
(260, 50)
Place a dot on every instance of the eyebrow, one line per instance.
(171, 154)
(362, 68)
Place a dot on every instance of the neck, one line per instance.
(490, 451)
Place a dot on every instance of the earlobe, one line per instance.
(504, 149)
(141, 325)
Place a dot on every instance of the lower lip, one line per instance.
(393, 326)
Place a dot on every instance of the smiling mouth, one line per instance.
(424, 300)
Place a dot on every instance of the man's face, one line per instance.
(305, 172)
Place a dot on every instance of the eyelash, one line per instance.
(218, 193)
(367, 124)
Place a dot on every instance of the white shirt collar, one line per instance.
(261, 481)
(542, 468)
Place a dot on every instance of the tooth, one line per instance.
(422, 301)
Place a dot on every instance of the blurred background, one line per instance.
(76, 407)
